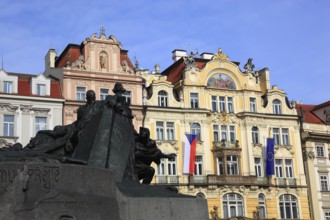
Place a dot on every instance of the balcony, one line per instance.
(285, 181)
(228, 180)
(226, 144)
(167, 179)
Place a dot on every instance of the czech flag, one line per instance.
(189, 154)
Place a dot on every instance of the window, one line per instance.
(289, 168)
(160, 130)
(285, 136)
(277, 107)
(216, 133)
(288, 207)
(170, 130)
(232, 133)
(222, 103)
(171, 167)
(220, 166)
(8, 125)
(40, 123)
(161, 167)
(223, 132)
(7, 87)
(214, 103)
(194, 100)
(278, 168)
(327, 215)
(80, 93)
(127, 95)
(230, 103)
(232, 165)
(103, 93)
(255, 135)
(276, 136)
(320, 150)
(199, 166)
(162, 98)
(41, 89)
(258, 167)
(232, 204)
(253, 107)
(196, 129)
(262, 206)
(324, 183)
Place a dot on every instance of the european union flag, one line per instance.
(270, 157)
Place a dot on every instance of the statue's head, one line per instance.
(118, 89)
(144, 133)
(90, 96)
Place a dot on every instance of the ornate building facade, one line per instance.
(28, 103)
(232, 112)
(315, 136)
(96, 64)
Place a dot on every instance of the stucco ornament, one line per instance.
(79, 63)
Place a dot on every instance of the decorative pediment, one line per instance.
(8, 107)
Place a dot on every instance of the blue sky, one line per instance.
(290, 37)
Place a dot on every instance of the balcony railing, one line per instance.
(167, 179)
(225, 144)
(245, 180)
(285, 181)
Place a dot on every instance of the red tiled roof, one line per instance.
(124, 56)
(72, 51)
(307, 112)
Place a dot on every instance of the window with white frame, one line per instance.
(128, 97)
(277, 108)
(232, 165)
(258, 166)
(162, 98)
(230, 104)
(324, 182)
(196, 129)
(40, 123)
(81, 93)
(253, 106)
(7, 87)
(161, 167)
(160, 130)
(255, 135)
(276, 136)
(216, 133)
(285, 136)
(213, 103)
(222, 103)
(327, 215)
(103, 93)
(289, 168)
(167, 167)
(278, 168)
(194, 100)
(220, 167)
(170, 130)
(41, 89)
(232, 133)
(171, 165)
(262, 206)
(232, 205)
(199, 165)
(225, 130)
(320, 150)
(288, 207)
(8, 125)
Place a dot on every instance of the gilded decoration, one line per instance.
(220, 55)
(221, 81)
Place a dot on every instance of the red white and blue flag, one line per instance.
(189, 153)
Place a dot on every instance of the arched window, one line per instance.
(200, 195)
(255, 135)
(262, 206)
(196, 129)
(288, 206)
(277, 108)
(162, 98)
(232, 204)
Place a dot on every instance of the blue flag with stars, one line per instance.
(270, 166)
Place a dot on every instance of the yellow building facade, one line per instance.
(232, 112)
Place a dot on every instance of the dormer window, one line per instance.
(277, 109)
(162, 98)
(41, 89)
(7, 87)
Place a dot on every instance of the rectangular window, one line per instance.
(232, 165)
(222, 103)
(171, 164)
(253, 107)
(160, 130)
(8, 125)
(40, 124)
(324, 183)
(327, 215)
(103, 93)
(170, 130)
(255, 135)
(232, 133)
(230, 104)
(216, 133)
(128, 97)
(80, 93)
(194, 100)
(161, 167)
(199, 166)
(214, 103)
(285, 136)
(223, 132)
(41, 89)
(289, 168)
(220, 166)
(7, 87)
(258, 167)
(278, 168)
(276, 136)
(320, 150)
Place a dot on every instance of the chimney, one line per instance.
(207, 56)
(50, 59)
(177, 54)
